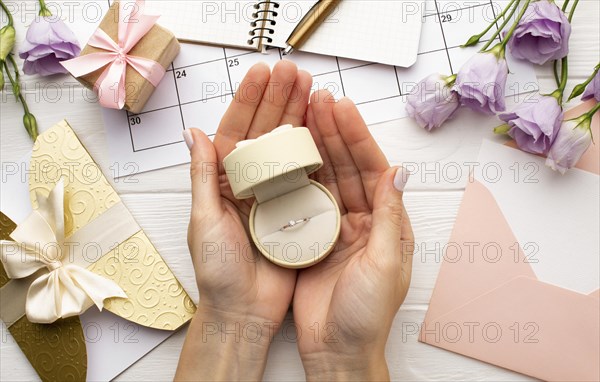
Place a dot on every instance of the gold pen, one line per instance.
(309, 23)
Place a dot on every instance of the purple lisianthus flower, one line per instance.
(542, 34)
(593, 89)
(481, 81)
(573, 139)
(48, 42)
(534, 125)
(432, 102)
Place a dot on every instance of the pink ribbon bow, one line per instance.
(110, 86)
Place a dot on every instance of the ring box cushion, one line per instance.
(274, 168)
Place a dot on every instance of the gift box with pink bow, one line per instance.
(126, 57)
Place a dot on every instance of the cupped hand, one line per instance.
(240, 291)
(344, 306)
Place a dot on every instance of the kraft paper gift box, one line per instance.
(518, 287)
(155, 305)
(158, 44)
(295, 221)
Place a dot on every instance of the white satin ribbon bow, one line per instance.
(39, 242)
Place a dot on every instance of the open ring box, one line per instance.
(295, 221)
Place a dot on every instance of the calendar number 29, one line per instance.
(446, 18)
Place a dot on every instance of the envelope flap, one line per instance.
(528, 326)
(482, 253)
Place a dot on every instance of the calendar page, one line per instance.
(202, 80)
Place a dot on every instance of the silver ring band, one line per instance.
(293, 223)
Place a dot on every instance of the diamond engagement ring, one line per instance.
(293, 223)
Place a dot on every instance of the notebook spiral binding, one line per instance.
(264, 17)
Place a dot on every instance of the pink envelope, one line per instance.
(498, 311)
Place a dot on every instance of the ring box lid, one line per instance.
(285, 152)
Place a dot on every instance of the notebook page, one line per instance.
(214, 22)
(383, 31)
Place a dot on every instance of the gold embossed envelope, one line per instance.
(108, 243)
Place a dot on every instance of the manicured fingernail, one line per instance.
(189, 140)
(401, 178)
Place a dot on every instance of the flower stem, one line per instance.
(555, 72)
(15, 81)
(475, 38)
(593, 111)
(501, 27)
(572, 11)
(44, 11)
(10, 18)
(32, 128)
(15, 67)
(564, 6)
(564, 72)
(515, 24)
(562, 84)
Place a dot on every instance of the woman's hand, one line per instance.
(344, 306)
(243, 296)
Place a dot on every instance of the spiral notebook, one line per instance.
(380, 31)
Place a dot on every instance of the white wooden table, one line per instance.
(160, 201)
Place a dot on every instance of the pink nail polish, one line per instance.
(189, 140)
(401, 178)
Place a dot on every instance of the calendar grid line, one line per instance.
(398, 80)
(443, 36)
(497, 26)
(437, 13)
(130, 132)
(337, 61)
(377, 100)
(159, 146)
(153, 110)
(228, 72)
(209, 98)
(178, 98)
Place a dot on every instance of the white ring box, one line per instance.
(295, 221)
